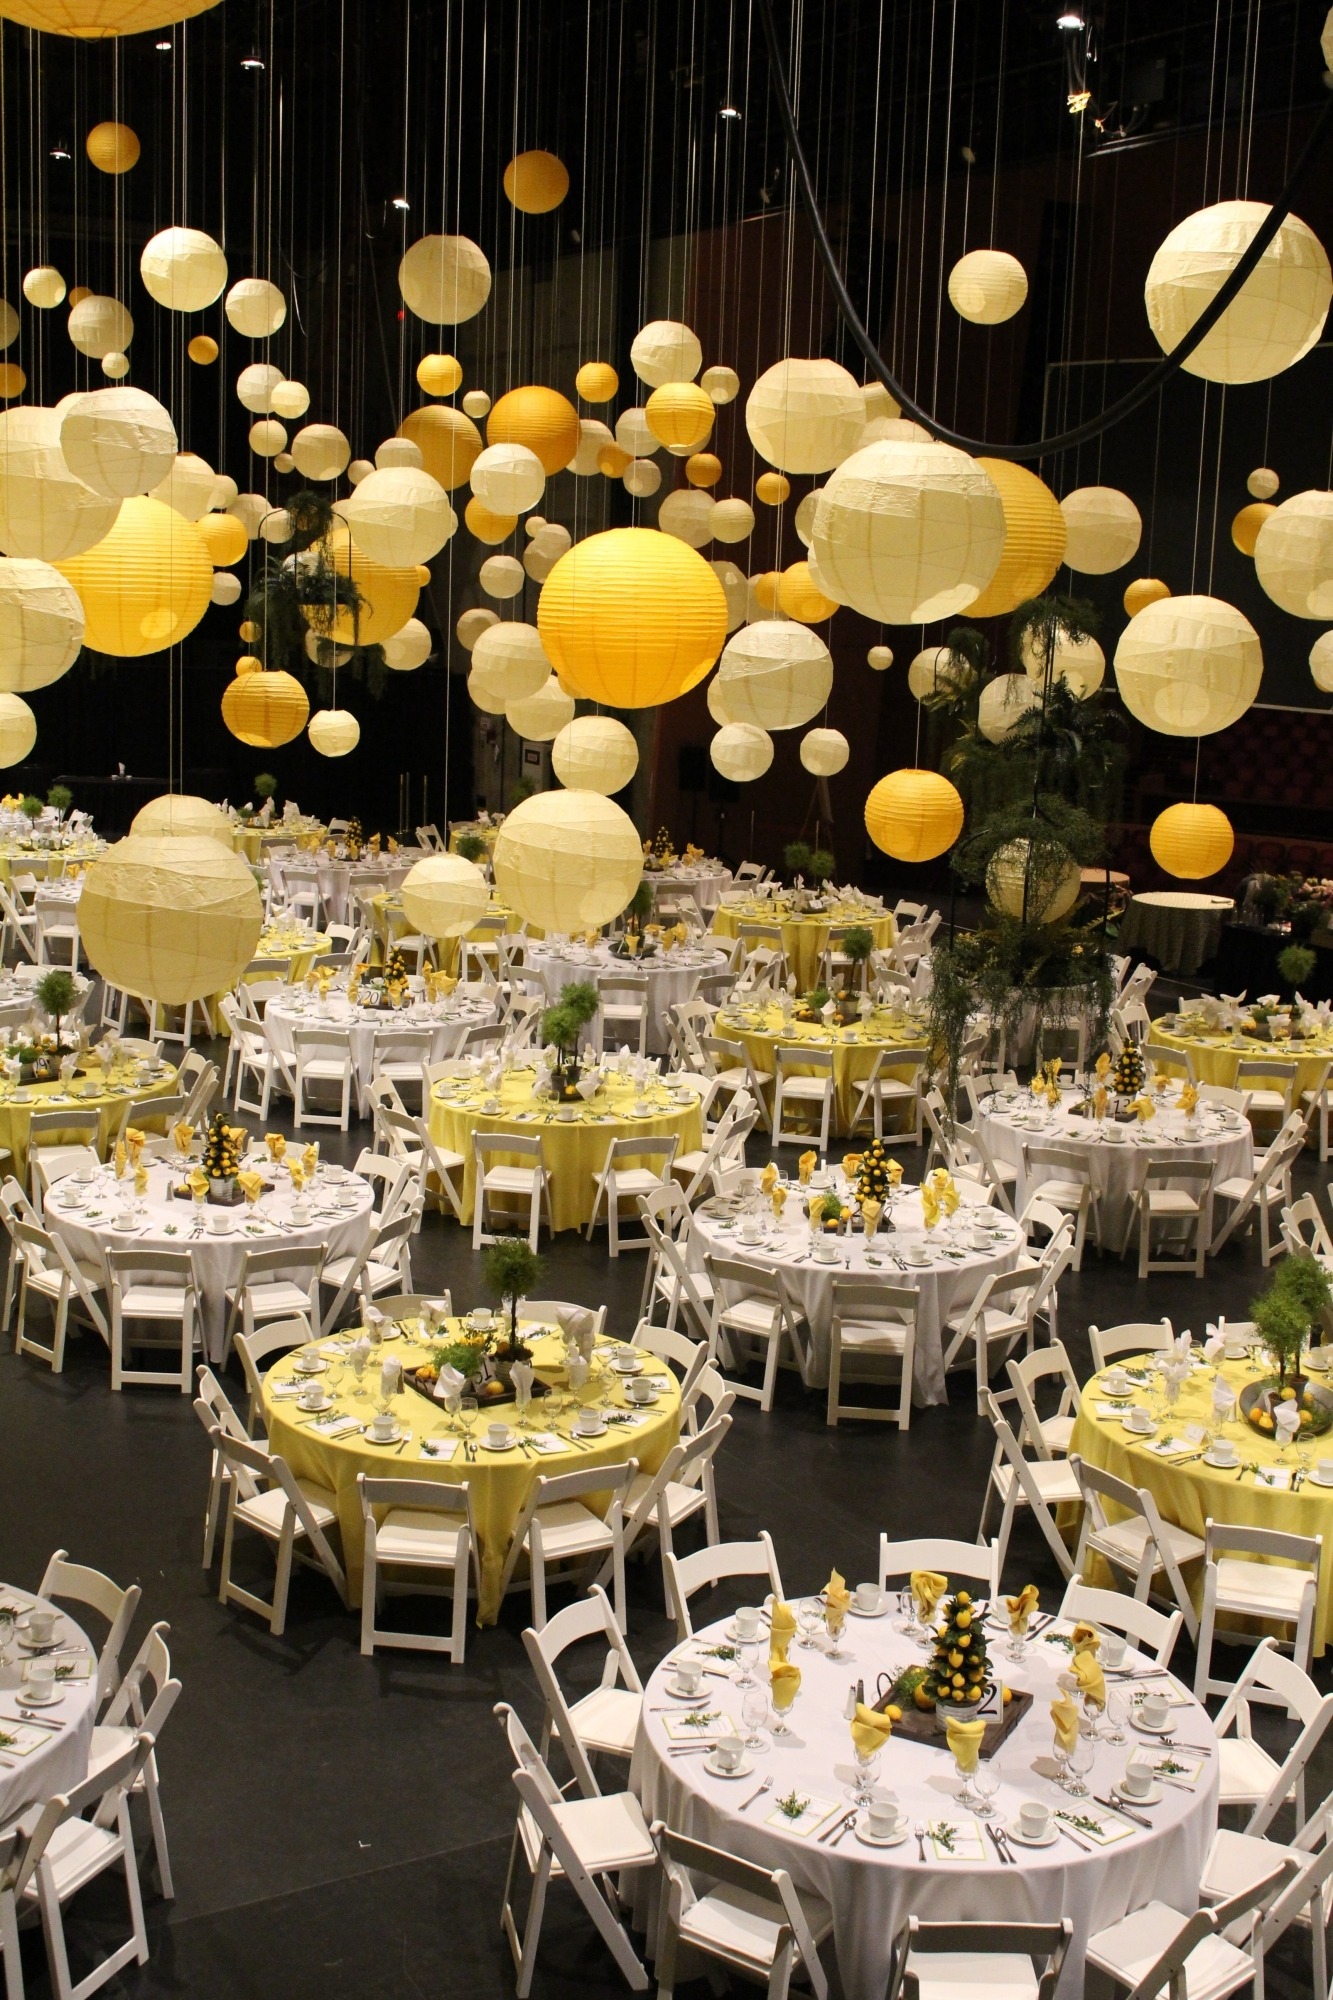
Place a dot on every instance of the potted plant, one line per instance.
(822, 865)
(1286, 1318)
(562, 1024)
(471, 847)
(512, 1269)
(857, 944)
(959, 1669)
(32, 805)
(265, 785)
(796, 858)
(222, 1159)
(1295, 964)
(56, 994)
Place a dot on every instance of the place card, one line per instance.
(335, 1426)
(442, 1449)
(955, 1840)
(1170, 1447)
(801, 1813)
(18, 1738)
(547, 1441)
(698, 1725)
(1178, 1765)
(1102, 1830)
(283, 1392)
(1277, 1478)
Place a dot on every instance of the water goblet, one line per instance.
(862, 1792)
(1061, 1762)
(522, 1404)
(966, 1796)
(748, 1651)
(6, 1633)
(986, 1783)
(783, 1695)
(835, 1617)
(1079, 1762)
(809, 1616)
(907, 1621)
(754, 1713)
(1117, 1714)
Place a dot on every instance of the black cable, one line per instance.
(1127, 404)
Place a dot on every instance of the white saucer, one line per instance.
(399, 1434)
(1152, 1797)
(855, 1611)
(684, 1694)
(1232, 1464)
(42, 1700)
(642, 1402)
(589, 1436)
(1315, 1480)
(1154, 1728)
(634, 1367)
(1135, 1431)
(31, 1646)
(316, 1367)
(1013, 1831)
(869, 1839)
(314, 1409)
(741, 1770)
(508, 1444)
(755, 1638)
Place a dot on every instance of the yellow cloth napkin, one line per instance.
(928, 1587)
(276, 1143)
(805, 1166)
(964, 1740)
(251, 1185)
(1022, 1607)
(1053, 1095)
(393, 845)
(778, 1197)
(836, 1594)
(871, 1211)
(297, 1172)
(1090, 1678)
(310, 1156)
(895, 1173)
(133, 1142)
(768, 1180)
(1103, 1066)
(182, 1135)
(1084, 1638)
(930, 1207)
(781, 1631)
(851, 1164)
(871, 1729)
(121, 1159)
(1142, 1107)
(1188, 1099)
(1100, 1100)
(198, 1182)
(141, 1180)
(1065, 1717)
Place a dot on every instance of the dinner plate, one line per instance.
(1014, 1831)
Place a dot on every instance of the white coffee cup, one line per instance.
(312, 1396)
(867, 1597)
(1154, 1710)
(1235, 1348)
(1324, 1470)
(41, 1627)
(750, 1230)
(729, 1750)
(39, 1678)
(885, 1817)
(1137, 1780)
(497, 1435)
(384, 1424)
(1113, 1649)
(1225, 1453)
(219, 1221)
(1138, 1420)
(588, 1420)
(1116, 1383)
(689, 1675)
(918, 1254)
(1034, 1818)
(747, 1621)
(641, 1391)
(300, 1213)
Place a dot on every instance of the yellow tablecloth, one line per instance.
(89, 1093)
(499, 1482)
(574, 1152)
(46, 863)
(300, 953)
(252, 840)
(486, 833)
(1216, 1055)
(390, 922)
(1190, 1494)
(854, 1049)
(804, 939)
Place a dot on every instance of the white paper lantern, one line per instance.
(1321, 662)
(476, 403)
(1004, 701)
(1293, 556)
(735, 588)
(536, 565)
(359, 469)
(225, 491)
(399, 517)
(593, 434)
(188, 486)
(595, 753)
(803, 520)
(183, 269)
(741, 752)
(804, 416)
(118, 441)
(444, 896)
(226, 588)
(824, 752)
(1080, 663)
(1007, 881)
(445, 279)
(880, 658)
(893, 430)
(276, 525)
(935, 670)
(45, 511)
(1188, 666)
(321, 451)
(731, 521)
(174, 918)
(471, 624)
(1279, 313)
(634, 436)
(987, 287)
(509, 663)
(688, 515)
(879, 402)
(642, 478)
(249, 509)
(1262, 483)
(44, 287)
(100, 326)
(289, 399)
(409, 648)
(775, 674)
(183, 816)
(267, 438)
(323, 652)
(18, 730)
(284, 462)
(665, 351)
(115, 366)
(543, 715)
(907, 533)
(501, 576)
(1103, 529)
(333, 732)
(715, 694)
(508, 478)
(41, 624)
(255, 386)
(721, 384)
(568, 861)
(256, 309)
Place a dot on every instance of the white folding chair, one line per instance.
(273, 1284)
(252, 1054)
(898, 1093)
(1248, 1774)
(556, 1527)
(606, 1719)
(717, 1562)
(1142, 1545)
(804, 1076)
(399, 1053)
(323, 1058)
(274, 1337)
(152, 1289)
(1153, 1632)
(1266, 1190)
(749, 1308)
(616, 1183)
(507, 1179)
(142, 1703)
(682, 1487)
(76, 1583)
(1050, 1437)
(932, 1961)
(1062, 1177)
(383, 1264)
(751, 1919)
(1303, 1215)
(295, 1516)
(1156, 1950)
(58, 1143)
(215, 1410)
(1236, 1861)
(424, 1531)
(972, 1562)
(1001, 1314)
(49, 1270)
(1257, 1573)
(1041, 1484)
(872, 1339)
(1154, 1336)
(622, 1007)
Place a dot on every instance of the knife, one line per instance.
(1069, 1834)
(1005, 1859)
(1114, 1805)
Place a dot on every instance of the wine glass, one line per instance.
(6, 1633)
(360, 1354)
(867, 1764)
(835, 1617)
(523, 1403)
(754, 1713)
(1117, 1714)
(986, 1783)
(1061, 1761)
(907, 1620)
(748, 1651)
(809, 1616)
(966, 1797)
(1018, 1637)
(784, 1691)
(1079, 1761)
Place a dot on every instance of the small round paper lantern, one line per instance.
(1247, 523)
(112, 148)
(265, 710)
(118, 441)
(1262, 483)
(399, 516)
(803, 416)
(731, 521)
(632, 617)
(9, 324)
(775, 675)
(183, 816)
(762, 595)
(255, 308)
(99, 326)
(536, 182)
(741, 751)
(799, 597)
(188, 487)
(1188, 666)
(597, 382)
(508, 478)
(18, 730)
(736, 590)
(687, 515)
(444, 896)
(249, 509)
(914, 815)
(593, 436)
(486, 526)
(541, 419)
(987, 287)
(612, 461)
(45, 511)
(174, 917)
(824, 752)
(224, 538)
(1080, 663)
(703, 468)
(680, 415)
(509, 664)
(1144, 590)
(256, 386)
(183, 269)
(1293, 555)
(1034, 540)
(665, 351)
(595, 753)
(44, 287)
(203, 349)
(267, 438)
(13, 381)
(543, 715)
(226, 588)
(907, 533)
(567, 860)
(146, 584)
(934, 670)
(321, 451)
(880, 658)
(1191, 841)
(277, 525)
(388, 594)
(114, 367)
(334, 732)
(41, 624)
(408, 649)
(397, 453)
(359, 469)
(634, 433)
(476, 403)
(642, 478)
(1279, 313)
(448, 441)
(471, 624)
(501, 576)
(290, 399)
(1103, 529)
(1009, 882)
(439, 374)
(444, 280)
(1004, 701)
(722, 385)
(1321, 662)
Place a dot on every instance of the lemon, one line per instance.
(956, 1681)
(955, 1659)
(962, 1599)
(893, 1712)
(964, 1619)
(1288, 1396)
(1008, 1696)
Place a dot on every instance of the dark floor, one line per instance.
(340, 1826)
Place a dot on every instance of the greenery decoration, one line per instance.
(265, 785)
(471, 847)
(1296, 963)
(1287, 1314)
(822, 865)
(564, 1021)
(959, 1664)
(31, 804)
(796, 856)
(56, 994)
(857, 943)
(1009, 968)
(641, 903)
(511, 1269)
(873, 1178)
(61, 798)
(222, 1149)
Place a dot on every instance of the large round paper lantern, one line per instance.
(722, 384)
(906, 533)
(508, 478)
(1080, 663)
(397, 454)
(388, 595)
(1191, 841)
(173, 918)
(224, 538)
(597, 382)
(1279, 313)
(775, 675)
(687, 515)
(1036, 893)
(665, 351)
(1321, 662)
(146, 584)
(41, 624)
(540, 717)
(632, 617)
(94, 20)
(255, 308)
(880, 658)
(265, 710)
(399, 517)
(634, 435)
(188, 487)
(1293, 555)
(501, 576)
(333, 732)
(741, 751)
(567, 861)
(1188, 666)
(409, 648)
(987, 287)
(736, 590)
(1004, 702)
(595, 753)
(112, 148)
(541, 419)
(536, 182)
(1103, 529)
(183, 269)
(1034, 540)
(509, 663)
(1246, 524)
(182, 815)
(18, 730)
(680, 415)
(715, 693)
(803, 416)
(731, 521)
(448, 441)
(99, 326)
(321, 451)
(444, 896)
(445, 280)
(799, 596)
(914, 815)
(45, 511)
(43, 287)
(824, 752)
(118, 441)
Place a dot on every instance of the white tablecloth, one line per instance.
(283, 1017)
(338, 878)
(873, 1891)
(673, 976)
(706, 885)
(61, 1761)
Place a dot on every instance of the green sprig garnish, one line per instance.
(701, 1717)
(793, 1805)
(1083, 1823)
(943, 1835)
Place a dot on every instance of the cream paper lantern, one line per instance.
(226, 588)
(715, 694)
(114, 367)
(641, 478)
(879, 402)
(321, 451)
(44, 287)
(183, 269)
(731, 521)
(444, 896)
(721, 384)
(1262, 483)
(359, 469)
(775, 674)
(409, 648)
(249, 509)
(1188, 666)
(935, 670)
(736, 590)
(907, 533)
(45, 511)
(225, 491)
(1293, 556)
(665, 351)
(551, 538)
(476, 403)
(595, 753)
(893, 430)
(1321, 662)
(1079, 663)
(688, 515)
(255, 308)
(445, 279)
(509, 663)
(399, 516)
(1326, 42)
(880, 658)
(567, 861)
(172, 917)
(188, 486)
(268, 438)
(100, 326)
(471, 624)
(542, 716)
(256, 386)
(333, 732)
(987, 287)
(538, 562)
(276, 526)
(41, 625)
(593, 434)
(18, 730)
(182, 816)
(1004, 702)
(634, 434)
(508, 478)
(9, 324)
(289, 399)
(804, 416)
(741, 752)
(1103, 529)
(1279, 313)
(399, 454)
(824, 752)
(803, 520)
(1007, 880)
(118, 441)
(501, 576)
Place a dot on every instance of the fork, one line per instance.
(757, 1794)
(920, 1831)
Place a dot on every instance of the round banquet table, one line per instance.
(448, 1021)
(340, 1224)
(297, 943)
(707, 883)
(338, 879)
(250, 841)
(758, 1027)
(1011, 1120)
(1216, 1052)
(804, 939)
(1191, 1494)
(945, 1285)
(1180, 928)
(391, 923)
(18, 997)
(485, 833)
(46, 863)
(673, 976)
(498, 1482)
(873, 1890)
(95, 1091)
(41, 1762)
(575, 1150)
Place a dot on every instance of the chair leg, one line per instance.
(770, 1369)
(282, 1583)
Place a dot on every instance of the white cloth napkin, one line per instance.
(449, 1385)
(521, 1377)
(578, 1326)
(391, 1374)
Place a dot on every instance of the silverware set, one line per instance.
(1000, 1843)
(836, 1827)
(1125, 1812)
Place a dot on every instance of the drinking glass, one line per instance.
(1079, 1762)
(986, 1783)
(1060, 1763)
(784, 1694)
(6, 1633)
(1018, 1640)
(522, 1404)
(809, 1616)
(867, 1764)
(754, 1713)
(967, 1798)
(1117, 1714)
(907, 1620)
(835, 1617)
(359, 1358)
(748, 1651)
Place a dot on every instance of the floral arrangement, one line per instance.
(395, 973)
(1129, 1072)
(959, 1664)
(1285, 1317)
(222, 1149)
(659, 852)
(876, 1173)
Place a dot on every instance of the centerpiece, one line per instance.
(511, 1268)
(958, 1674)
(658, 853)
(1286, 1318)
(482, 1352)
(562, 1024)
(810, 869)
(222, 1160)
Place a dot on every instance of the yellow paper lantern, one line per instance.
(824, 752)
(41, 625)
(18, 730)
(880, 658)
(249, 664)
(775, 675)
(914, 815)
(334, 732)
(665, 351)
(399, 517)
(987, 287)
(1293, 555)
(1279, 313)
(1080, 663)
(721, 384)
(1321, 663)
(508, 478)
(44, 287)
(568, 861)
(203, 349)
(597, 382)
(907, 533)
(800, 597)
(146, 584)
(388, 595)
(1262, 483)
(13, 381)
(541, 419)
(1188, 666)
(501, 576)
(173, 918)
(687, 515)
(95, 20)
(509, 663)
(444, 896)
(733, 520)
(1144, 590)
(536, 182)
(265, 710)
(762, 596)
(118, 441)
(1012, 884)
(741, 752)
(680, 414)
(224, 538)
(595, 753)
(183, 816)
(112, 148)
(445, 280)
(486, 526)
(612, 462)
(448, 441)
(1005, 700)
(1034, 540)
(632, 617)
(183, 269)
(45, 511)
(439, 374)
(704, 469)
(1191, 841)
(1247, 523)
(541, 716)
(803, 416)
(1103, 529)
